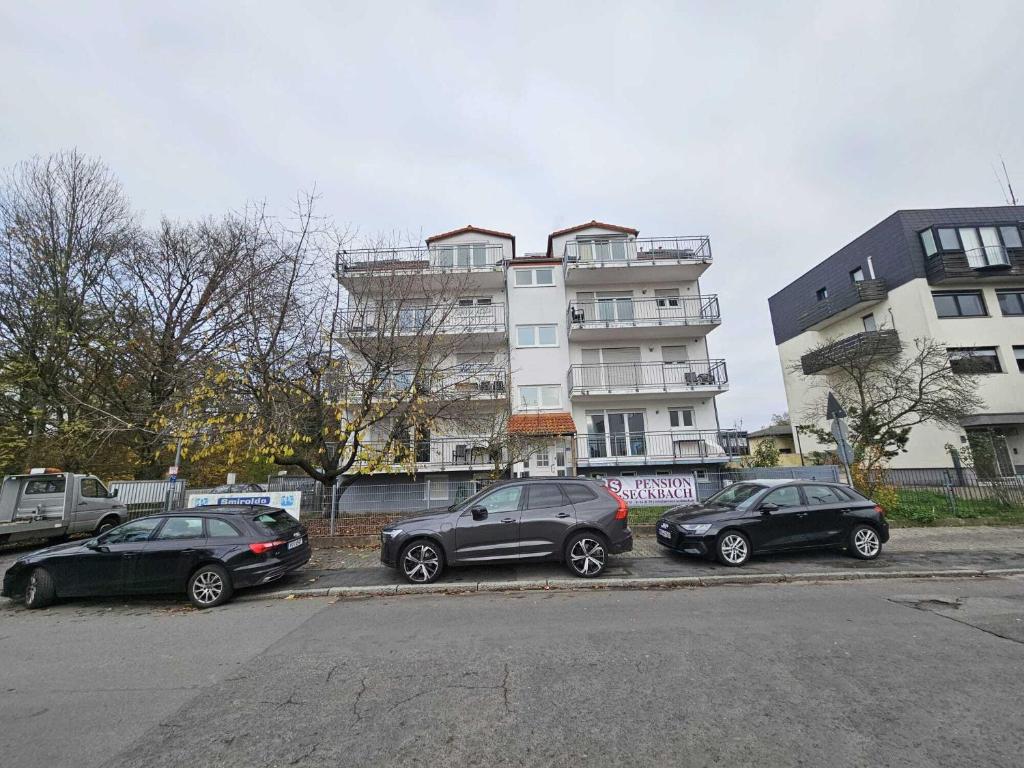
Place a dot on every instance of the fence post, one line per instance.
(951, 495)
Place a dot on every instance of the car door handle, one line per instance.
(188, 551)
(563, 514)
(510, 520)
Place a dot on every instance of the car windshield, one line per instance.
(735, 495)
(276, 521)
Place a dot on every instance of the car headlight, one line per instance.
(391, 533)
(696, 528)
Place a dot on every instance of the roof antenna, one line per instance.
(1008, 193)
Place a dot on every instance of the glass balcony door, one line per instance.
(602, 249)
(615, 307)
(616, 435)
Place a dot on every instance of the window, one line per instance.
(674, 354)
(821, 294)
(540, 396)
(965, 304)
(502, 500)
(45, 485)
(1011, 237)
(869, 323)
(974, 360)
(680, 417)
(1018, 354)
(91, 488)
(701, 475)
(666, 297)
(220, 529)
(276, 520)
(136, 530)
(578, 492)
(181, 528)
(787, 496)
(545, 495)
(539, 277)
(857, 275)
(1011, 302)
(542, 459)
(536, 335)
(982, 246)
(928, 241)
(948, 240)
(822, 494)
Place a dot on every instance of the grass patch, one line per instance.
(928, 507)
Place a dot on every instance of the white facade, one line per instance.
(607, 330)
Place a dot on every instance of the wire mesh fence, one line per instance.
(928, 495)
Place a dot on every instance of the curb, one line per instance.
(663, 582)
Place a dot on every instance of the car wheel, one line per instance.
(864, 542)
(209, 586)
(39, 590)
(421, 561)
(733, 548)
(106, 524)
(586, 555)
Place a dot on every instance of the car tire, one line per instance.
(106, 524)
(209, 586)
(586, 554)
(733, 548)
(421, 561)
(864, 543)
(39, 589)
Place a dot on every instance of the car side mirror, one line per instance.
(113, 494)
(96, 545)
(479, 513)
(767, 508)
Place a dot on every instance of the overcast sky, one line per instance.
(782, 134)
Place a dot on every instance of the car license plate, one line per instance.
(294, 544)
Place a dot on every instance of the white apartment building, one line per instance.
(599, 347)
(955, 275)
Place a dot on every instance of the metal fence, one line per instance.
(147, 497)
(926, 495)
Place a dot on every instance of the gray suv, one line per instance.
(576, 521)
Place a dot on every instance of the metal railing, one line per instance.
(987, 256)
(462, 380)
(148, 497)
(462, 257)
(860, 345)
(417, 320)
(863, 292)
(428, 453)
(613, 448)
(614, 378)
(630, 251)
(628, 312)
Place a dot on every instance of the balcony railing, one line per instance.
(428, 453)
(863, 293)
(610, 449)
(630, 312)
(622, 251)
(849, 349)
(618, 378)
(414, 320)
(456, 383)
(987, 262)
(461, 257)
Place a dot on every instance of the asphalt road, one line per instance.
(922, 673)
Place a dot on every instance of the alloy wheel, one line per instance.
(207, 587)
(866, 542)
(734, 548)
(587, 556)
(421, 563)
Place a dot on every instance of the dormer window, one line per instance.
(984, 246)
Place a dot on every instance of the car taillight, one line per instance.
(623, 511)
(261, 547)
(879, 510)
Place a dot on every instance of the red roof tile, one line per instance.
(601, 224)
(555, 423)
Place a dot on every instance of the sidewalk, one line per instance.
(911, 552)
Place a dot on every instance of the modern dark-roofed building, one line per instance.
(954, 274)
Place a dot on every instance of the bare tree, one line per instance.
(886, 392)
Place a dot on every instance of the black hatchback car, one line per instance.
(575, 521)
(758, 516)
(206, 553)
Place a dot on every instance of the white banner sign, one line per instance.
(289, 501)
(662, 490)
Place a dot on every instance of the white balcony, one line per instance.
(642, 318)
(484, 322)
(614, 260)
(647, 379)
(642, 448)
(476, 264)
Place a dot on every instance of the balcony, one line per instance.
(614, 260)
(852, 299)
(638, 379)
(485, 322)
(991, 263)
(630, 318)
(460, 382)
(475, 263)
(426, 455)
(675, 447)
(859, 346)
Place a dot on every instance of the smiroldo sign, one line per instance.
(655, 491)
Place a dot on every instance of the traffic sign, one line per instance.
(834, 410)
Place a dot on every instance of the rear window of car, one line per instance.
(220, 529)
(578, 492)
(547, 495)
(45, 485)
(275, 520)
